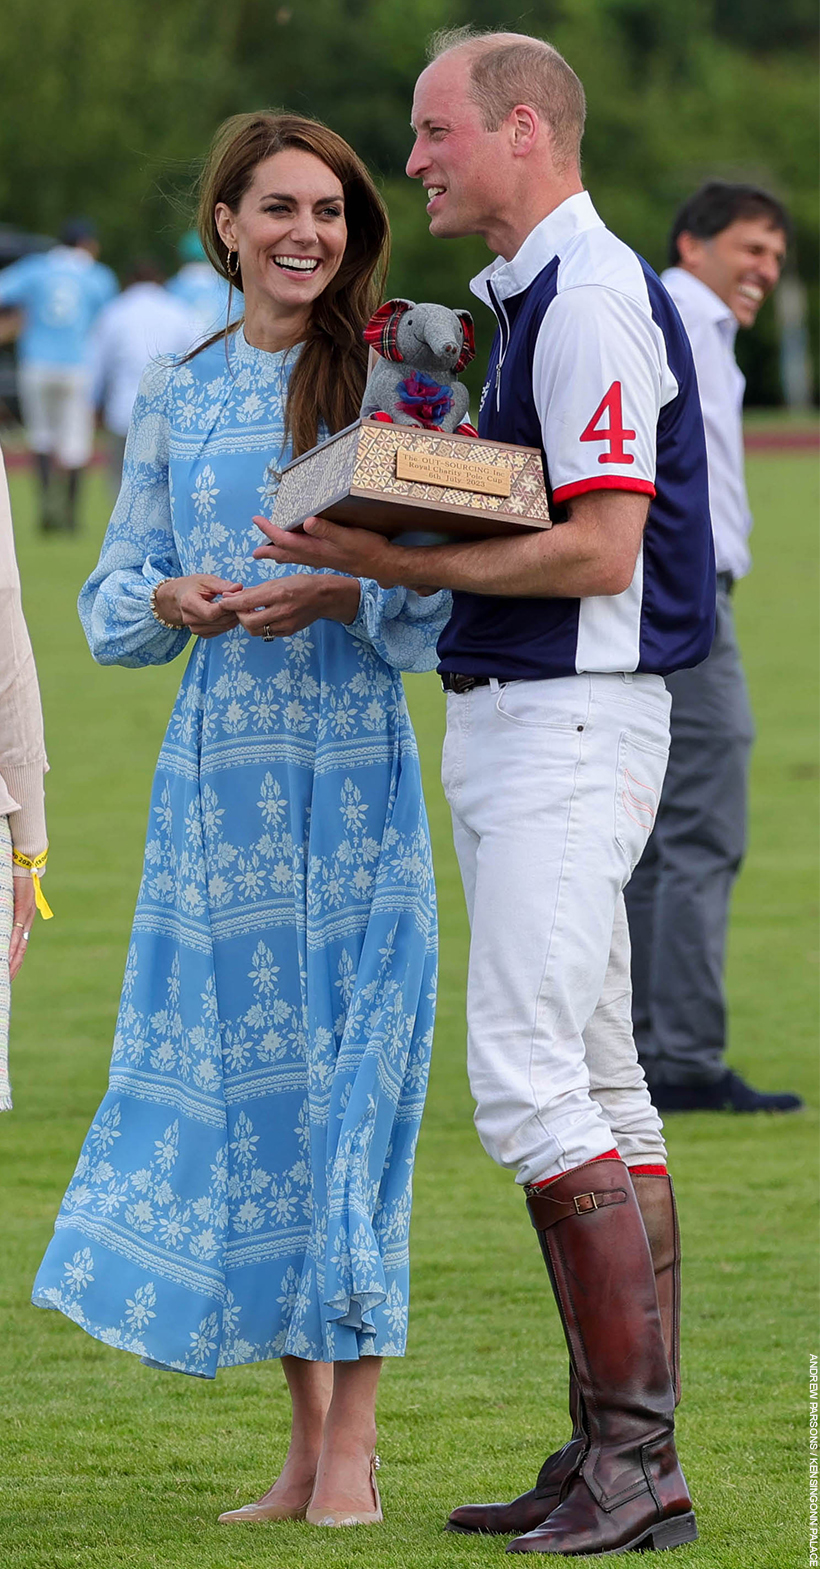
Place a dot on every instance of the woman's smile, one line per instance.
(305, 264)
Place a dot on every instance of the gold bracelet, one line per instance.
(172, 625)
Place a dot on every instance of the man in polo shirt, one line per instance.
(557, 738)
(60, 292)
(727, 247)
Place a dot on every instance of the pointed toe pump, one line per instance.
(334, 1517)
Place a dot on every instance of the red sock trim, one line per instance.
(610, 1155)
(648, 1171)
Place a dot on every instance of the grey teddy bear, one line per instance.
(421, 350)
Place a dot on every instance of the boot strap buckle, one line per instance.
(545, 1211)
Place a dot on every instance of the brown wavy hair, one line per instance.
(327, 381)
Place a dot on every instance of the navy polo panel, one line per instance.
(665, 621)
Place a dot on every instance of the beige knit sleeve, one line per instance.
(22, 749)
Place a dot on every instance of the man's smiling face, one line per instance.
(459, 162)
(741, 265)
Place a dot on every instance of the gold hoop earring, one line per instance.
(232, 271)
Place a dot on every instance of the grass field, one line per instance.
(105, 1463)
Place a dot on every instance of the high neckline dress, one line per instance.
(244, 1191)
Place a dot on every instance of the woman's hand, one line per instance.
(23, 919)
(192, 602)
(285, 605)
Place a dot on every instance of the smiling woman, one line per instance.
(244, 1192)
(288, 240)
(289, 215)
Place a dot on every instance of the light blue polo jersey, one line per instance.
(60, 292)
(205, 296)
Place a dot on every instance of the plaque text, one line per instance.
(452, 473)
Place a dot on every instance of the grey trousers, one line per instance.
(678, 898)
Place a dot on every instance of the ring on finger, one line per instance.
(268, 635)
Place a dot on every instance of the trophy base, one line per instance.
(395, 479)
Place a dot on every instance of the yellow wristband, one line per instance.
(35, 866)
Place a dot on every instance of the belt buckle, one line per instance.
(461, 684)
(585, 1203)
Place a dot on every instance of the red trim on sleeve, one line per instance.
(648, 1171)
(603, 482)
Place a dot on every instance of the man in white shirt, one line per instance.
(140, 324)
(727, 248)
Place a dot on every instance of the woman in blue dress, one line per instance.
(244, 1192)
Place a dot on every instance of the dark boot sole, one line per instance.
(479, 1530)
(658, 1539)
(670, 1533)
(471, 1530)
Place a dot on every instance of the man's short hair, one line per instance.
(718, 204)
(77, 230)
(511, 68)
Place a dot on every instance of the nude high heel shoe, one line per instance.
(250, 1514)
(343, 1517)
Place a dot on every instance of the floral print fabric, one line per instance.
(244, 1191)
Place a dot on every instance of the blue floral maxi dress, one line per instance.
(244, 1191)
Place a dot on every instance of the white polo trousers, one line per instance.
(58, 412)
(553, 788)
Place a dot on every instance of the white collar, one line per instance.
(548, 239)
(705, 299)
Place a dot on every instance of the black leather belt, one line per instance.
(456, 683)
(725, 582)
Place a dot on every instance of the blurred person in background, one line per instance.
(727, 247)
(23, 843)
(205, 294)
(245, 1190)
(59, 293)
(141, 324)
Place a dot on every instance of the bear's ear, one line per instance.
(382, 329)
(468, 347)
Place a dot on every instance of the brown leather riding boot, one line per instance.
(659, 1212)
(656, 1198)
(629, 1492)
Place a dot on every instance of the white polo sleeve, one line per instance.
(599, 381)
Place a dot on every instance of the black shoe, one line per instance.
(728, 1093)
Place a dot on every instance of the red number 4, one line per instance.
(614, 432)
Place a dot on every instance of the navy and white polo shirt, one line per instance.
(591, 363)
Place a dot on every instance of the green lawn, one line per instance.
(106, 1463)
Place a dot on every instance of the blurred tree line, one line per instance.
(108, 110)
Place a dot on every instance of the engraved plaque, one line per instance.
(391, 478)
(453, 473)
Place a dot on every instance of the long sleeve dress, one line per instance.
(244, 1191)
